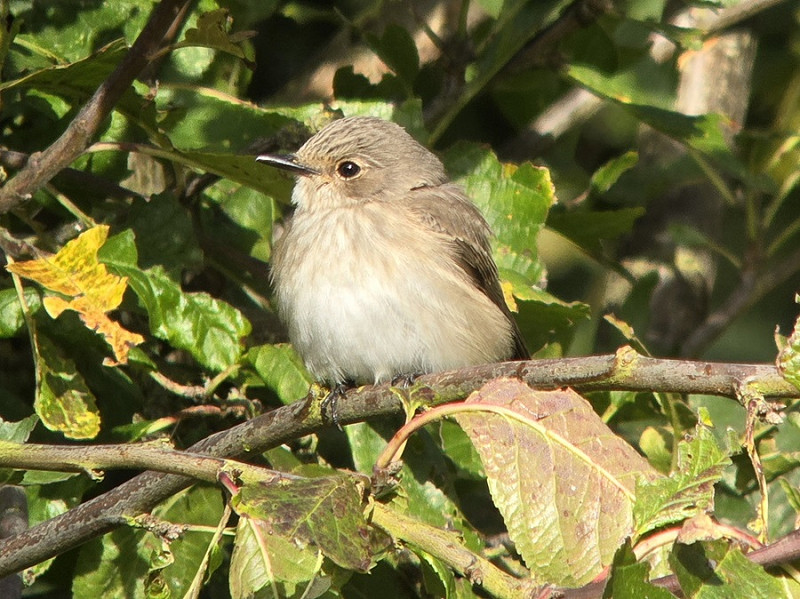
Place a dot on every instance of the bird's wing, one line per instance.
(447, 210)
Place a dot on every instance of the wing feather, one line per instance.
(447, 210)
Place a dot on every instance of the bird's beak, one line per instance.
(287, 162)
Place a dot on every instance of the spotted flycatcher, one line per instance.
(385, 269)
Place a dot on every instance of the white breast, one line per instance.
(367, 296)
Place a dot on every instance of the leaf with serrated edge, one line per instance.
(789, 356)
(716, 570)
(561, 479)
(264, 560)
(325, 511)
(92, 291)
(687, 491)
(64, 402)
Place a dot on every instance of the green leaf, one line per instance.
(200, 508)
(46, 501)
(18, 432)
(605, 177)
(11, 317)
(209, 329)
(703, 133)
(138, 564)
(437, 576)
(717, 570)
(281, 369)
(77, 82)
(300, 510)
(120, 249)
(789, 355)
(164, 233)
(211, 31)
(545, 319)
(492, 7)
(460, 449)
(263, 562)
(211, 121)
(240, 168)
(555, 471)
(514, 201)
(629, 578)
(63, 401)
(397, 49)
(74, 31)
(792, 494)
(687, 491)
(115, 565)
(248, 226)
(426, 492)
(588, 229)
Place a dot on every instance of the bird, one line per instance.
(384, 271)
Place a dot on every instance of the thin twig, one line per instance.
(754, 283)
(42, 167)
(577, 106)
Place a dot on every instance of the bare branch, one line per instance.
(754, 283)
(42, 167)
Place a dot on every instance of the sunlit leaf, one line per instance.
(11, 315)
(718, 569)
(63, 402)
(76, 82)
(211, 31)
(629, 578)
(76, 273)
(514, 200)
(789, 356)
(687, 491)
(324, 511)
(263, 562)
(282, 369)
(562, 480)
(604, 177)
(211, 330)
(703, 133)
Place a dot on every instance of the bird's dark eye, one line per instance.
(348, 169)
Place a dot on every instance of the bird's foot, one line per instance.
(405, 379)
(330, 403)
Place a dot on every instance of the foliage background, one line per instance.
(685, 227)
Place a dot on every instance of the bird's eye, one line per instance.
(348, 169)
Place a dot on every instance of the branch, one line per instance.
(448, 547)
(625, 370)
(126, 456)
(71, 176)
(754, 283)
(41, 167)
(440, 112)
(13, 520)
(577, 106)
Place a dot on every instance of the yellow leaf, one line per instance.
(64, 402)
(88, 287)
